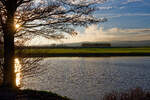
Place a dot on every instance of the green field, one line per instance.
(68, 52)
(85, 50)
(117, 51)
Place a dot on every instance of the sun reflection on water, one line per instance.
(17, 71)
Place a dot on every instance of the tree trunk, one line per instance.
(9, 79)
(9, 76)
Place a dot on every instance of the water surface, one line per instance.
(90, 78)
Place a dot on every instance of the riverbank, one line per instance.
(8, 94)
(82, 55)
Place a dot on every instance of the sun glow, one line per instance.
(17, 26)
(17, 71)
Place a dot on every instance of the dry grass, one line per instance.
(134, 94)
(15, 94)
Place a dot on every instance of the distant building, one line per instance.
(96, 45)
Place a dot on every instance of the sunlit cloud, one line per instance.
(94, 33)
(39, 40)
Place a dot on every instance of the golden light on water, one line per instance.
(17, 71)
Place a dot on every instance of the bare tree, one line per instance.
(20, 20)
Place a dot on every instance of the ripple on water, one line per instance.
(90, 78)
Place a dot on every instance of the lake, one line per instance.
(90, 78)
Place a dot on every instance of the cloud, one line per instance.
(123, 7)
(105, 8)
(113, 15)
(94, 33)
(129, 1)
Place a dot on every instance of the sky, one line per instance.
(126, 13)
(128, 20)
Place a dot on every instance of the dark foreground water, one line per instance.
(91, 78)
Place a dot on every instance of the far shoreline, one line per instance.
(32, 52)
(84, 55)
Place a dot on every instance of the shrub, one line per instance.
(133, 94)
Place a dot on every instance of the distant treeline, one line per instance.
(96, 45)
(70, 47)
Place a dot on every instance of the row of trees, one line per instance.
(21, 20)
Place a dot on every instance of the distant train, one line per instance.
(96, 45)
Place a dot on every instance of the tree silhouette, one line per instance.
(20, 20)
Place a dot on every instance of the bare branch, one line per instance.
(48, 18)
(3, 2)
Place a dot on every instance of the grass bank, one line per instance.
(132, 94)
(8, 94)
